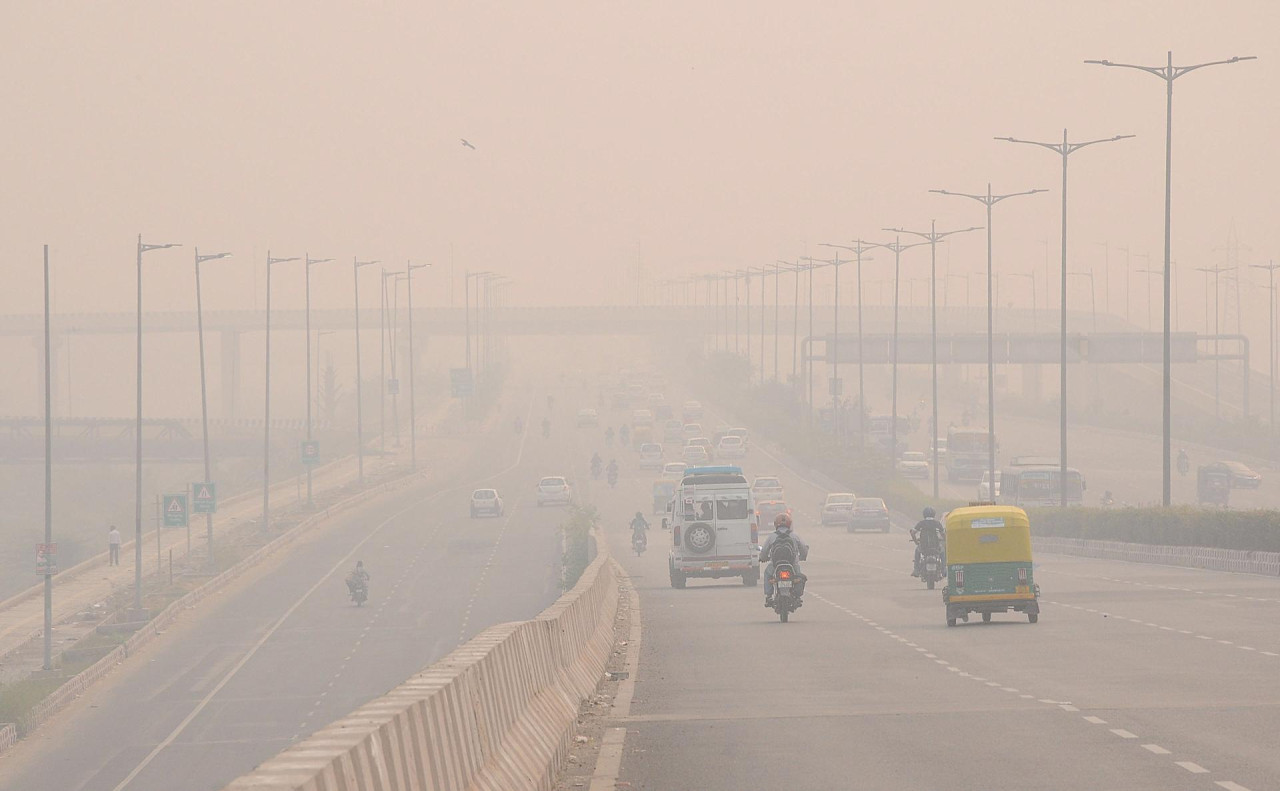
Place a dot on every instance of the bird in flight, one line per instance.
(467, 144)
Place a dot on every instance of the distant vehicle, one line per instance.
(691, 410)
(838, 509)
(1213, 485)
(619, 400)
(713, 530)
(731, 447)
(663, 411)
(673, 431)
(695, 454)
(941, 444)
(1241, 476)
(869, 513)
(967, 454)
(692, 429)
(554, 490)
(486, 501)
(913, 465)
(768, 510)
(740, 432)
(674, 470)
(703, 441)
(655, 399)
(588, 417)
(650, 456)
(984, 493)
(1033, 485)
(641, 417)
(765, 487)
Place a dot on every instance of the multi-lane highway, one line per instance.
(284, 652)
(1136, 676)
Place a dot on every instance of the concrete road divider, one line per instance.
(496, 714)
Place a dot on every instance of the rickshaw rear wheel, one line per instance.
(930, 584)
(951, 621)
(1033, 617)
(986, 617)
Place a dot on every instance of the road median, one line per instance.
(498, 713)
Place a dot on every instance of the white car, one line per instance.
(692, 430)
(650, 456)
(641, 417)
(554, 490)
(766, 487)
(588, 417)
(692, 410)
(704, 443)
(913, 465)
(486, 501)
(985, 485)
(838, 509)
(695, 454)
(674, 470)
(740, 432)
(731, 447)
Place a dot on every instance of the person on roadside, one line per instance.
(113, 546)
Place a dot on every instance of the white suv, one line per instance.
(554, 490)
(486, 501)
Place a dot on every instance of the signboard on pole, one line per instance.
(311, 451)
(175, 510)
(46, 559)
(461, 383)
(204, 498)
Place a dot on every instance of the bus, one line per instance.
(1037, 485)
(966, 454)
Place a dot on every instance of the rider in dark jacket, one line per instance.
(796, 549)
(928, 535)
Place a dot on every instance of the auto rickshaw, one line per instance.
(989, 563)
(1213, 485)
(663, 491)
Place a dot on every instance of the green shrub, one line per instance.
(577, 543)
(1181, 526)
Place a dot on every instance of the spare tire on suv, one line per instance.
(700, 538)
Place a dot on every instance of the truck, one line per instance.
(966, 454)
(714, 531)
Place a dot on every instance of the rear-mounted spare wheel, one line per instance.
(700, 538)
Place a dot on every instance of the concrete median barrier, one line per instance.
(497, 714)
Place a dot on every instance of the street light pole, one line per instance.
(48, 474)
(1064, 149)
(1168, 73)
(896, 247)
(356, 263)
(989, 200)
(266, 410)
(413, 433)
(204, 395)
(137, 544)
(858, 249)
(932, 237)
(319, 364)
(1271, 268)
(307, 287)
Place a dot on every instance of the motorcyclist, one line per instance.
(783, 542)
(638, 527)
(546, 427)
(608, 437)
(1107, 499)
(596, 464)
(1184, 461)
(612, 471)
(927, 534)
(624, 434)
(358, 578)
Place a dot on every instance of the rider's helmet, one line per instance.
(782, 523)
(639, 515)
(359, 564)
(929, 513)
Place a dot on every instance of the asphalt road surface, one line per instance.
(284, 652)
(1136, 676)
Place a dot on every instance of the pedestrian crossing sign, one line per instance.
(204, 498)
(175, 510)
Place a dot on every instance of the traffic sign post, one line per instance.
(461, 383)
(46, 559)
(175, 510)
(310, 451)
(204, 498)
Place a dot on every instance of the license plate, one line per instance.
(784, 584)
(933, 567)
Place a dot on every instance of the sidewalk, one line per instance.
(80, 587)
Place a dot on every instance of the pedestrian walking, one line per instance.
(113, 543)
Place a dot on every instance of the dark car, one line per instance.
(869, 513)
(1241, 476)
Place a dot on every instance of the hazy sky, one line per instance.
(697, 135)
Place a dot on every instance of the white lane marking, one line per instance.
(1230, 786)
(1094, 720)
(1192, 767)
(1068, 707)
(1155, 748)
(1123, 734)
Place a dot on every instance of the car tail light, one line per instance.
(784, 574)
(675, 534)
(1022, 575)
(755, 534)
(960, 577)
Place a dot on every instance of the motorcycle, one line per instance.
(359, 591)
(595, 472)
(613, 478)
(931, 569)
(546, 429)
(787, 590)
(639, 542)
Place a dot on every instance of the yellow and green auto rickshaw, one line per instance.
(989, 563)
(663, 491)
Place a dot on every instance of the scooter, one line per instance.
(613, 478)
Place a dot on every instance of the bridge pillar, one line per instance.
(1031, 383)
(230, 373)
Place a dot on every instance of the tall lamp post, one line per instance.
(356, 263)
(1168, 73)
(48, 472)
(932, 237)
(859, 249)
(834, 386)
(896, 247)
(266, 410)
(413, 434)
(137, 511)
(310, 262)
(204, 395)
(989, 200)
(1271, 267)
(1064, 149)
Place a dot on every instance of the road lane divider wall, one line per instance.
(77, 684)
(497, 714)
(1241, 561)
